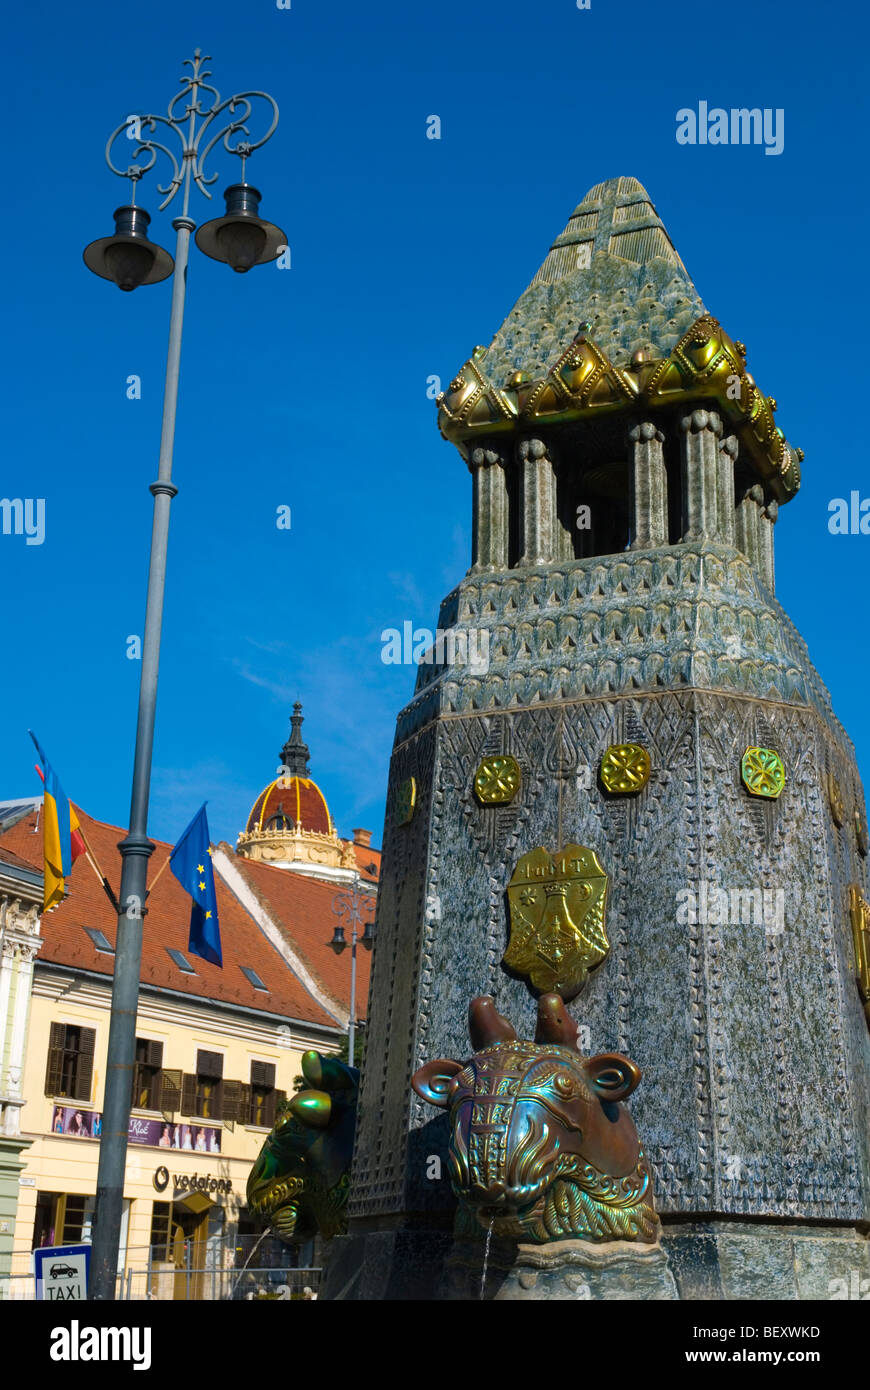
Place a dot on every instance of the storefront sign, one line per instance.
(192, 1182)
(88, 1124)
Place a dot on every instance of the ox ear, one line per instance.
(612, 1076)
(433, 1080)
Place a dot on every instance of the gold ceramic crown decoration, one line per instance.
(557, 904)
(583, 382)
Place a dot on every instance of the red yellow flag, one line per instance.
(62, 841)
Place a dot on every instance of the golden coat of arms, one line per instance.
(557, 904)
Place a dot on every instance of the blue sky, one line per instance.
(307, 387)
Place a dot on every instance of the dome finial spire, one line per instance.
(295, 754)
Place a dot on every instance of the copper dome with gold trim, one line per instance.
(290, 803)
(290, 824)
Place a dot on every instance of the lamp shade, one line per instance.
(129, 258)
(241, 238)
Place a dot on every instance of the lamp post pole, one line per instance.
(242, 239)
(352, 905)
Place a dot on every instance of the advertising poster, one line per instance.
(71, 1121)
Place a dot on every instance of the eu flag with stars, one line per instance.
(190, 861)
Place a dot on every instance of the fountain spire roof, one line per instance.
(614, 267)
(612, 324)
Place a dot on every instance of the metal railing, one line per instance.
(218, 1285)
(170, 1283)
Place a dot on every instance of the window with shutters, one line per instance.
(170, 1083)
(263, 1095)
(70, 1061)
(147, 1074)
(236, 1102)
(202, 1094)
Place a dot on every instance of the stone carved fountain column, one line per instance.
(766, 522)
(648, 485)
(701, 431)
(489, 509)
(538, 503)
(746, 523)
(728, 451)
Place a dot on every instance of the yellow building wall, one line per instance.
(64, 1163)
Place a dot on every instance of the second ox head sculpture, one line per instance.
(541, 1147)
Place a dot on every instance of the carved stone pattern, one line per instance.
(462, 745)
(832, 951)
(378, 1180)
(701, 1068)
(764, 836)
(696, 738)
(691, 615)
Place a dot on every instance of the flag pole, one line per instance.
(155, 879)
(97, 868)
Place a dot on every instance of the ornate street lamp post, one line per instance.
(199, 121)
(352, 906)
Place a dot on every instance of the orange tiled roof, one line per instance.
(302, 907)
(368, 861)
(7, 857)
(306, 917)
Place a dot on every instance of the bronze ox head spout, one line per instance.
(541, 1147)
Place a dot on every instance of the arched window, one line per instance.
(279, 820)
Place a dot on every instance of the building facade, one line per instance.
(20, 909)
(217, 1050)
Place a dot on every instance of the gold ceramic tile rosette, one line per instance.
(406, 801)
(835, 797)
(557, 903)
(625, 769)
(497, 780)
(859, 911)
(763, 772)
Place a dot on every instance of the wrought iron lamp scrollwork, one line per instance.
(241, 238)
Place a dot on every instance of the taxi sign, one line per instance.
(62, 1272)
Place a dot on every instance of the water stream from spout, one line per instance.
(485, 1259)
(266, 1232)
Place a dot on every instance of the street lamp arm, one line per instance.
(136, 171)
(242, 148)
(181, 117)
